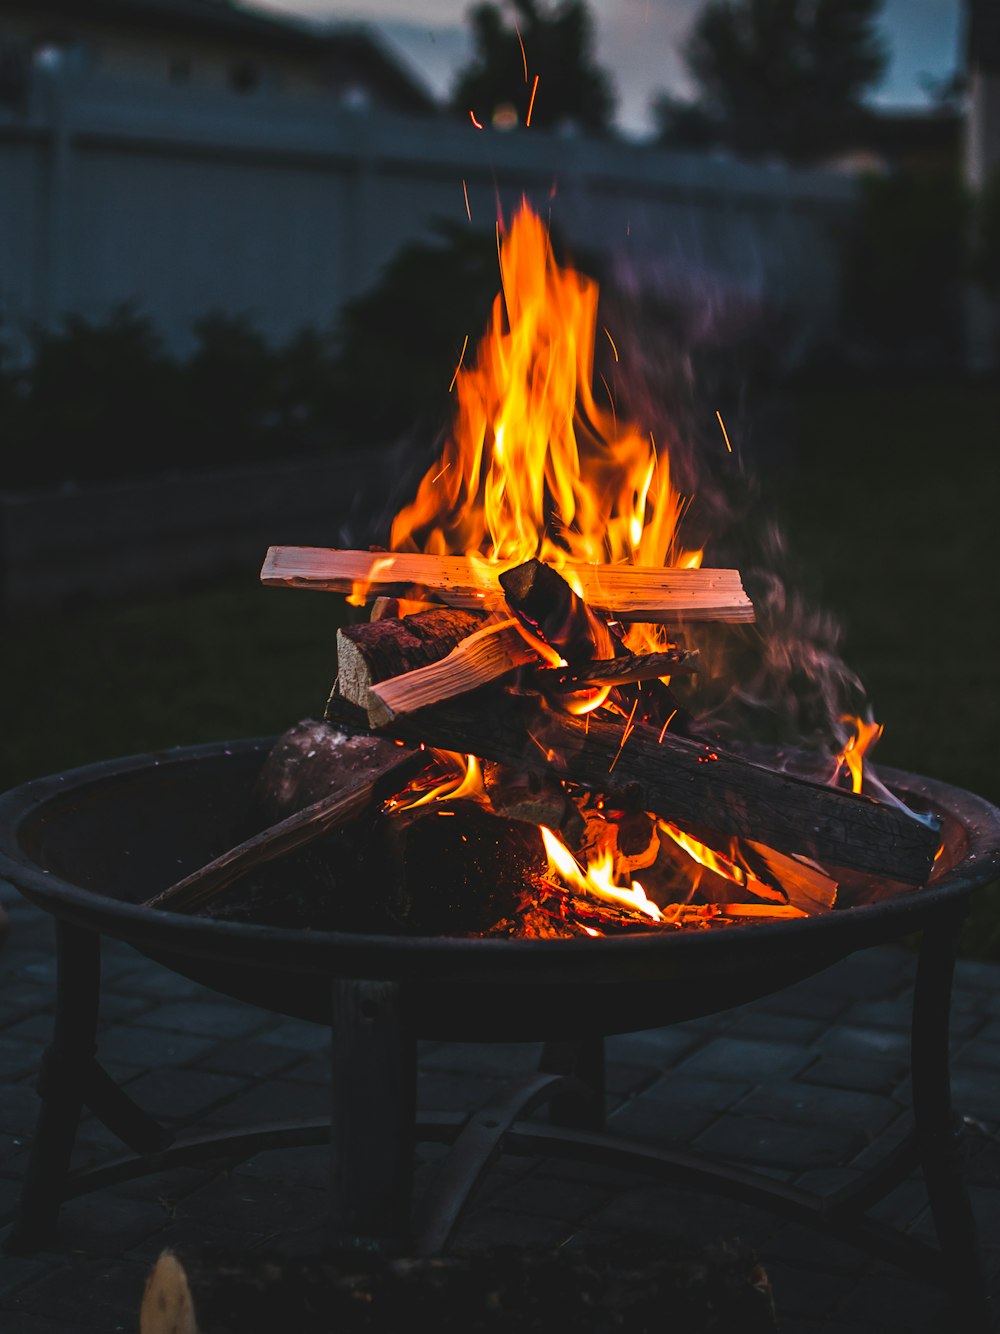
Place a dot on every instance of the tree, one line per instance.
(518, 39)
(784, 76)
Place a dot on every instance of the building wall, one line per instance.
(184, 201)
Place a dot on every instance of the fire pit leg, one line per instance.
(580, 1108)
(69, 1079)
(374, 1065)
(939, 1130)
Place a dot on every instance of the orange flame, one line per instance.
(853, 754)
(598, 878)
(534, 467)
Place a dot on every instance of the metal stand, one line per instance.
(373, 1130)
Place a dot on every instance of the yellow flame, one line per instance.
(537, 467)
(467, 782)
(853, 754)
(598, 879)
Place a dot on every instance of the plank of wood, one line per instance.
(629, 592)
(685, 781)
(484, 656)
(305, 826)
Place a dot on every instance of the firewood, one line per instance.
(629, 592)
(305, 826)
(380, 650)
(484, 656)
(625, 1289)
(545, 602)
(807, 886)
(616, 671)
(313, 760)
(458, 867)
(538, 799)
(686, 781)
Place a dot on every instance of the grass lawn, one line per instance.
(890, 501)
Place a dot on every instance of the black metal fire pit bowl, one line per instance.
(90, 845)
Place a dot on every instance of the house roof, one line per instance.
(350, 49)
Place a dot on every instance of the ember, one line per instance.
(547, 625)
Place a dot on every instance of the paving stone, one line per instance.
(15, 1272)
(108, 1222)
(976, 975)
(254, 1059)
(17, 1058)
(156, 983)
(194, 1235)
(298, 1035)
(811, 1104)
(274, 1100)
(626, 1080)
(745, 1059)
(489, 1228)
(805, 1291)
(442, 1090)
(35, 1028)
(259, 1205)
(688, 1090)
(867, 1076)
(752, 1140)
(200, 1017)
(974, 1091)
(542, 1197)
(979, 1055)
(659, 1122)
(687, 1216)
(137, 1045)
(293, 1167)
(854, 1041)
(21, 999)
(181, 1095)
(657, 1049)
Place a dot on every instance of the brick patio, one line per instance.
(808, 1085)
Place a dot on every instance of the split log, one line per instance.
(380, 650)
(686, 781)
(547, 605)
(304, 827)
(629, 592)
(616, 671)
(484, 656)
(629, 1289)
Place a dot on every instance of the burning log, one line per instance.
(542, 599)
(484, 656)
(538, 799)
(457, 867)
(616, 671)
(687, 781)
(629, 592)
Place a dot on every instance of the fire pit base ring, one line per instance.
(373, 1127)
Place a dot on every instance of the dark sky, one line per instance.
(639, 42)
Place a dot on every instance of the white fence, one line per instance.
(189, 202)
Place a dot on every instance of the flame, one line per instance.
(865, 734)
(465, 781)
(712, 860)
(598, 878)
(533, 466)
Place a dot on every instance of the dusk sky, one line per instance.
(639, 42)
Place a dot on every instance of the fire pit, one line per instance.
(90, 845)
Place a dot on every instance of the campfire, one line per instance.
(520, 711)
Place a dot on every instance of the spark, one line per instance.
(663, 729)
(625, 735)
(435, 478)
(614, 349)
(465, 192)
(524, 57)
(472, 117)
(461, 358)
(531, 103)
(611, 400)
(725, 433)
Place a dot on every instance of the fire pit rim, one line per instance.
(324, 951)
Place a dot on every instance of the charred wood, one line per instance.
(547, 605)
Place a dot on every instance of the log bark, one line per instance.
(484, 656)
(685, 781)
(629, 592)
(380, 650)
